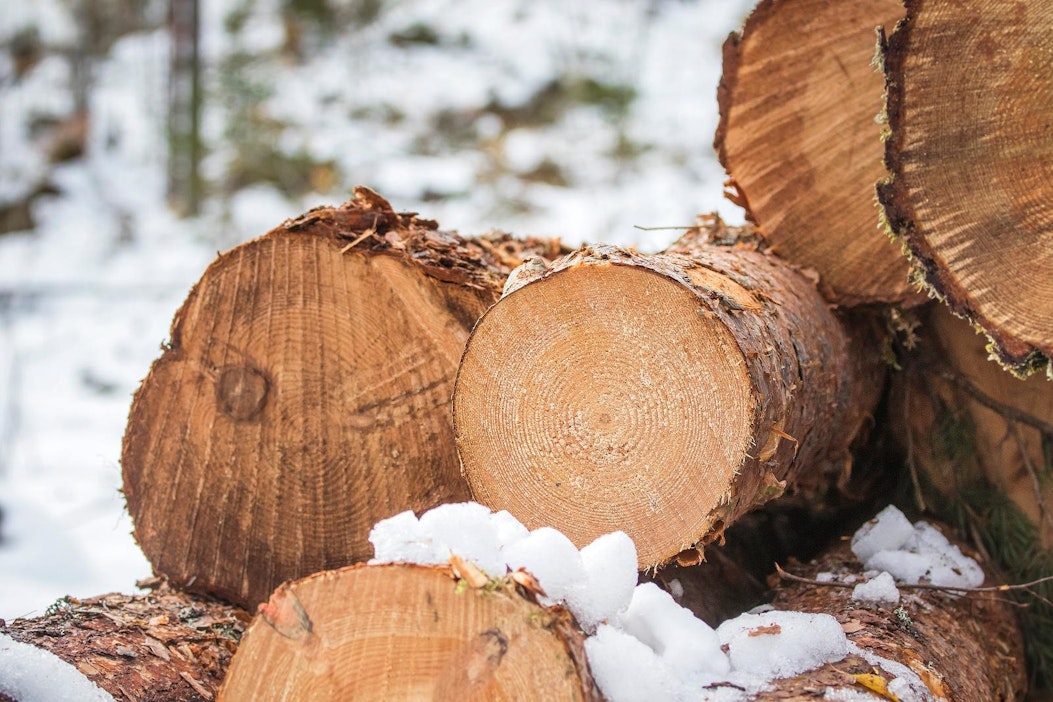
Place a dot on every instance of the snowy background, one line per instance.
(537, 117)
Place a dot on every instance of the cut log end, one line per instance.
(406, 632)
(967, 174)
(798, 136)
(305, 396)
(664, 396)
(589, 395)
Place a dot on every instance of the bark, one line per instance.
(799, 140)
(305, 396)
(967, 174)
(962, 648)
(406, 632)
(661, 395)
(164, 645)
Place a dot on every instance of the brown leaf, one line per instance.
(765, 630)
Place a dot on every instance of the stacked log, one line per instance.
(576, 404)
(799, 139)
(304, 396)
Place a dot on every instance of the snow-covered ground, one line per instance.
(86, 298)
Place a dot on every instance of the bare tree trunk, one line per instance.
(184, 107)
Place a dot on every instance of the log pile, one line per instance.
(357, 362)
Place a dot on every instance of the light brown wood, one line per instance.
(799, 138)
(664, 396)
(305, 396)
(163, 645)
(404, 632)
(967, 649)
(970, 91)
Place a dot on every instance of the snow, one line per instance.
(880, 588)
(906, 684)
(887, 531)
(686, 644)
(913, 553)
(610, 579)
(640, 643)
(31, 674)
(781, 644)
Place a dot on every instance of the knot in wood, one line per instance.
(241, 392)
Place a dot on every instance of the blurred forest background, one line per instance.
(140, 137)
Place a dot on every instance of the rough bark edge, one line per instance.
(913, 632)
(899, 218)
(164, 645)
(369, 223)
(731, 58)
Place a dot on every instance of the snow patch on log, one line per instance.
(643, 644)
(31, 674)
(913, 553)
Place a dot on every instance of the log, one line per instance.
(981, 444)
(163, 645)
(407, 632)
(305, 395)
(661, 395)
(963, 648)
(799, 140)
(969, 89)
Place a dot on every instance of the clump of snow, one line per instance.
(780, 644)
(610, 578)
(950, 567)
(912, 553)
(31, 674)
(626, 669)
(552, 558)
(881, 588)
(688, 645)
(467, 530)
(889, 530)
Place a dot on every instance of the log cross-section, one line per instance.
(970, 161)
(407, 632)
(305, 395)
(661, 395)
(798, 137)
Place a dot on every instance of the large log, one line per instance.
(407, 632)
(164, 645)
(661, 395)
(305, 395)
(970, 161)
(980, 443)
(799, 139)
